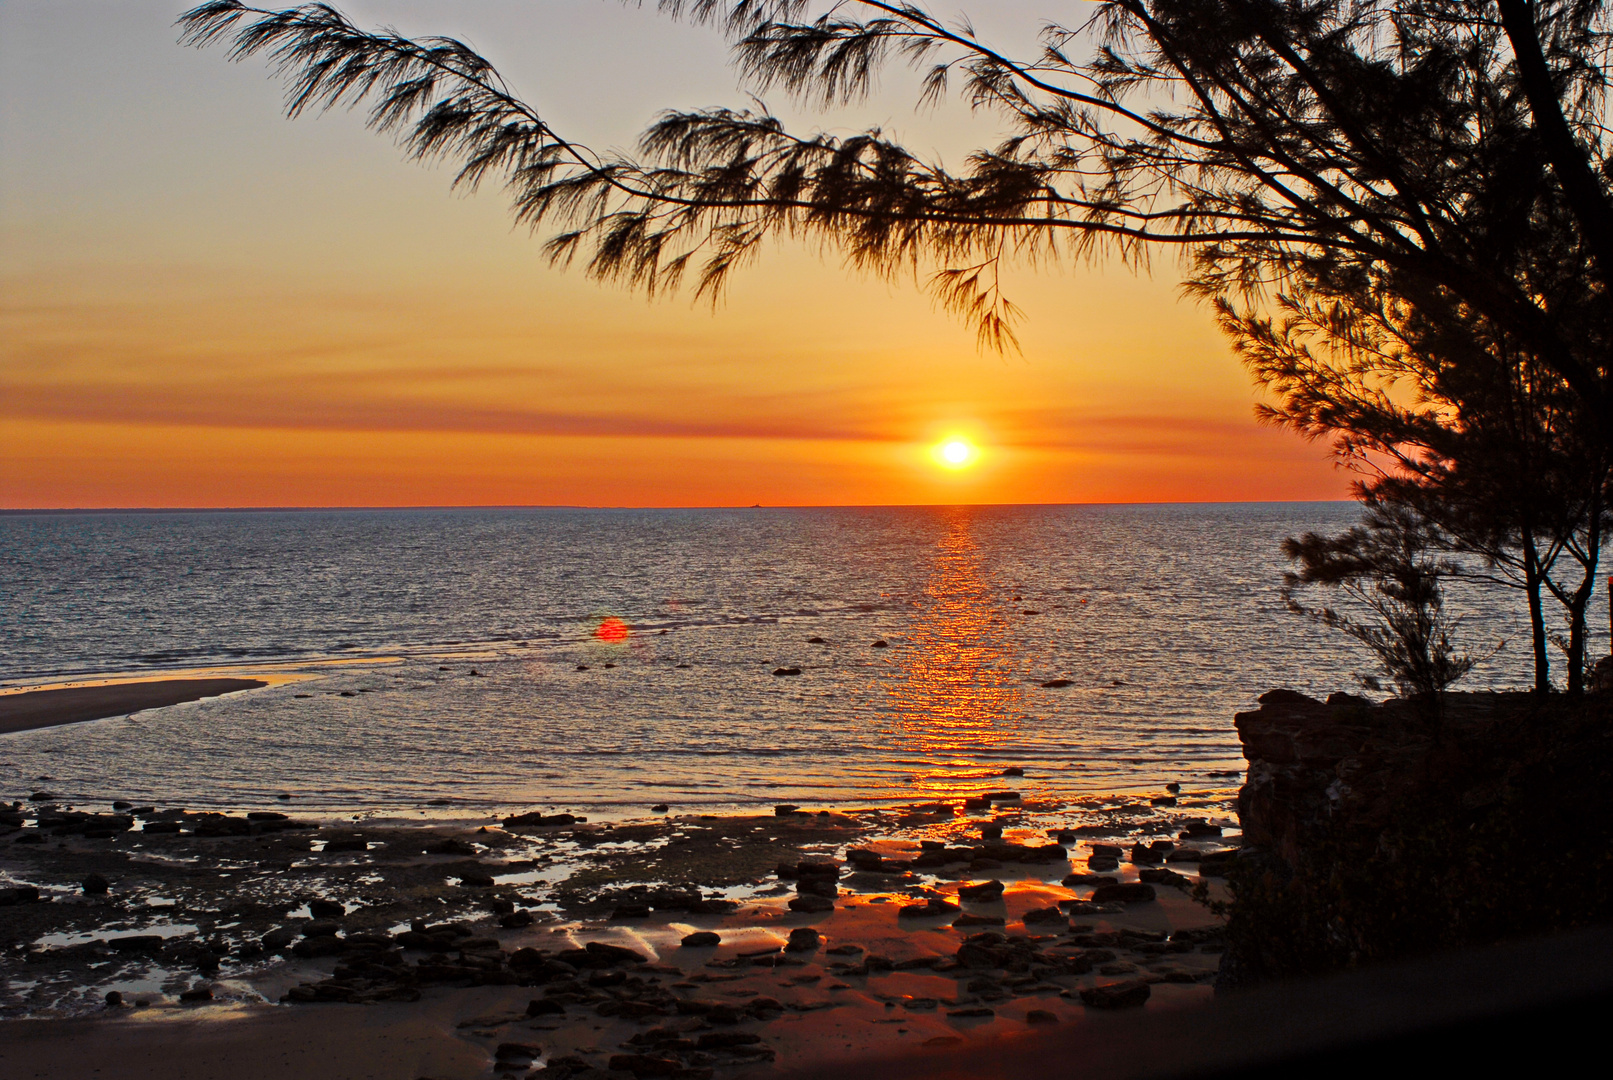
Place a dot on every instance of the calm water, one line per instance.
(1164, 619)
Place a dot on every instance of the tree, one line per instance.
(1390, 565)
(1450, 420)
(1263, 138)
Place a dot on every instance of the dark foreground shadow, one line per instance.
(1516, 1009)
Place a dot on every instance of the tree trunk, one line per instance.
(1537, 615)
(1569, 162)
(1582, 598)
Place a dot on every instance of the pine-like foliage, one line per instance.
(1267, 138)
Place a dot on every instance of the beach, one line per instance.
(29, 710)
(277, 941)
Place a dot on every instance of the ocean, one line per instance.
(458, 661)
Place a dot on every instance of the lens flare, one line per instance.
(611, 630)
(956, 453)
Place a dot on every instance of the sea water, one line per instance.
(618, 658)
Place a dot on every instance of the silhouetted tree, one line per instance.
(1392, 567)
(1263, 137)
(1447, 417)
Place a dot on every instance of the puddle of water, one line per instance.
(162, 930)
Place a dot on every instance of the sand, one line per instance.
(831, 1006)
(74, 704)
(830, 1017)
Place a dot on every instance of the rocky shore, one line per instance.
(1379, 832)
(672, 946)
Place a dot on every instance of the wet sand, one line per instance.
(249, 1044)
(75, 704)
(872, 982)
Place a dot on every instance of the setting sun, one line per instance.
(956, 453)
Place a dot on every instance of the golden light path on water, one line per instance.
(957, 688)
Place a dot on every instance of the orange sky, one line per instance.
(202, 304)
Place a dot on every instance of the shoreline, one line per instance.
(31, 710)
(802, 987)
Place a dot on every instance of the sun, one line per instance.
(956, 453)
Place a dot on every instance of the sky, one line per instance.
(203, 303)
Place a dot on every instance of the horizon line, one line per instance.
(22, 511)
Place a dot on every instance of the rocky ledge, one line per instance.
(1374, 831)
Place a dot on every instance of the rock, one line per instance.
(113, 999)
(1013, 770)
(1103, 862)
(979, 920)
(257, 815)
(320, 928)
(659, 808)
(1146, 854)
(817, 887)
(1001, 796)
(787, 671)
(1056, 684)
(1121, 995)
(803, 939)
(1111, 850)
(334, 846)
(513, 1050)
(199, 992)
(122, 804)
(810, 904)
(544, 1007)
(137, 943)
(1163, 877)
(981, 891)
(537, 820)
(973, 1012)
(991, 832)
(881, 644)
(1065, 838)
(1123, 893)
(515, 920)
(816, 641)
(785, 809)
(1162, 800)
(42, 796)
(631, 911)
(1199, 829)
(95, 885)
(616, 954)
(701, 939)
(158, 828)
(19, 894)
(1043, 915)
(326, 909)
(1040, 1016)
(475, 879)
(1173, 787)
(864, 859)
(1600, 680)
(277, 939)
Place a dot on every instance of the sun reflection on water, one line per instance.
(957, 687)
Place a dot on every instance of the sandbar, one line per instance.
(75, 704)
